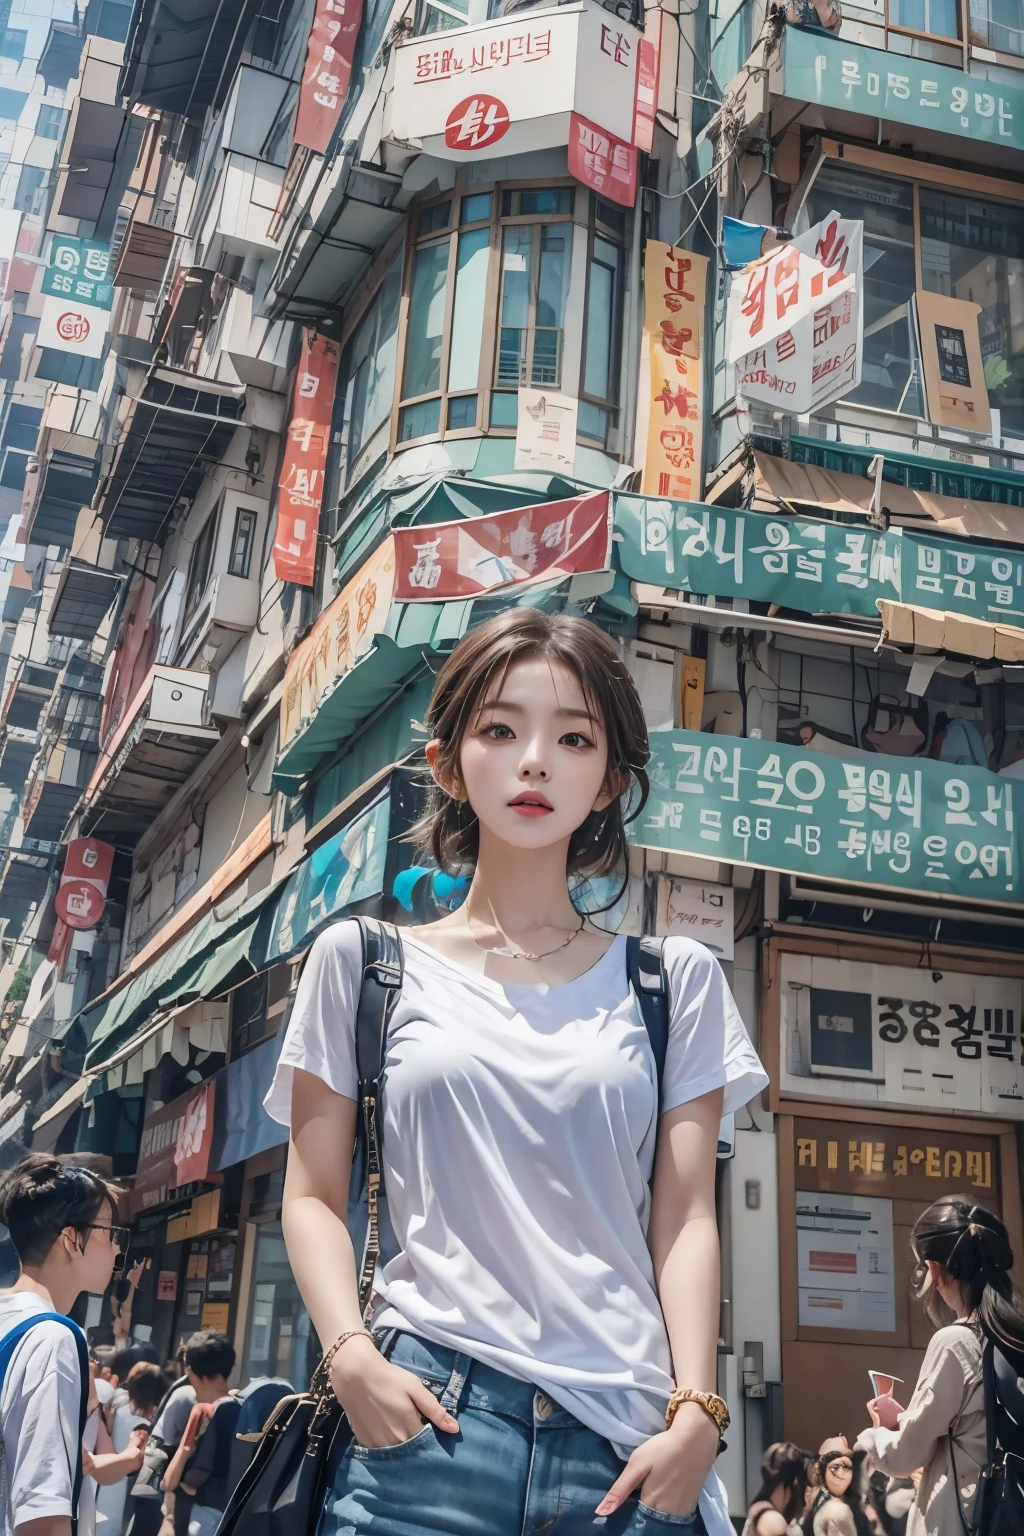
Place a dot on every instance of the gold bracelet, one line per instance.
(353, 1333)
(714, 1406)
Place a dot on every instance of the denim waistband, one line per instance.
(459, 1381)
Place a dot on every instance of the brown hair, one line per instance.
(973, 1247)
(449, 830)
(41, 1195)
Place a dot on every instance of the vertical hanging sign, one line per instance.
(327, 72)
(300, 488)
(82, 893)
(674, 302)
(648, 68)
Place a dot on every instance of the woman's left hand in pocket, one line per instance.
(669, 1469)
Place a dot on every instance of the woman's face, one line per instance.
(839, 1475)
(533, 761)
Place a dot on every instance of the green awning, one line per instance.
(940, 477)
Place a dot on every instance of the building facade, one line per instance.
(333, 330)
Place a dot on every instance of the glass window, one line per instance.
(419, 420)
(433, 219)
(281, 1341)
(368, 374)
(478, 206)
(50, 122)
(199, 565)
(462, 412)
(468, 308)
(936, 17)
(998, 24)
(12, 44)
(425, 334)
(534, 285)
(31, 190)
(602, 327)
(526, 201)
(242, 541)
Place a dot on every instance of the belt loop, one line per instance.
(456, 1384)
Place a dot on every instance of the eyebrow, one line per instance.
(519, 709)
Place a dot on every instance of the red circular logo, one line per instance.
(72, 326)
(79, 904)
(476, 123)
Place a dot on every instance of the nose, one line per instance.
(531, 766)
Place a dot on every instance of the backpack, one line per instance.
(999, 1506)
(10, 1342)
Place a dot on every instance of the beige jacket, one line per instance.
(948, 1395)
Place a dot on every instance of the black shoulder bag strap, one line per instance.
(645, 966)
(381, 985)
(976, 1527)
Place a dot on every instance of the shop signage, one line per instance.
(342, 633)
(327, 71)
(546, 431)
(175, 1147)
(897, 1163)
(816, 567)
(819, 359)
(773, 294)
(675, 284)
(648, 70)
(300, 488)
(68, 326)
(954, 369)
(601, 161)
(845, 75)
(82, 893)
(515, 80)
(908, 824)
(167, 1285)
(79, 270)
(437, 561)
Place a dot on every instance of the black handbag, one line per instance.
(999, 1503)
(282, 1491)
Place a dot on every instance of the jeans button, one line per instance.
(542, 1406)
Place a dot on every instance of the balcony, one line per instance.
(142, 258)
(52, 793)
(164, 736)
(179, 51)
(101, 142)
(23, 884)
(66, 485)
(30, 690)
(241, 211)
(257, 349)
(17, 749)
(18, 595)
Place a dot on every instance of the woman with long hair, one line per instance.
(779, 1502)
(543, 1354)
(837, 1508)
(962, 1259)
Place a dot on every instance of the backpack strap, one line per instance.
(381, 984)
(645, 966)
(10, 1342)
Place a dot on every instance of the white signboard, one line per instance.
(515, 82)
(71, 327)
(546, 431)
(770, 296)
(845, 1268)
(702, 912)
(896, 1036)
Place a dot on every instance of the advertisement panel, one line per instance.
(300, 487)
(327, 71)
(82, 893)
(675, 284)
(68, 326)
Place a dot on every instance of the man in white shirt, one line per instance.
(62, 1222)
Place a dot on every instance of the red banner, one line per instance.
(328, 69)
(599, 160)
(82, 893)
(463, 559)
(648, 63)
(177, 1140)
(300, 488)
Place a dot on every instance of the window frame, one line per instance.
(253, 516)
(597, 230)
(194, 589)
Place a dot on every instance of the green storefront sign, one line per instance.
(906, 823)
(815, 567)
(79, 269)
(819, 68)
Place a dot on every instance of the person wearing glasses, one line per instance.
(62, 1222)
(837, 1509)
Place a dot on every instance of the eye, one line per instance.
(575, 739)
(498, 731)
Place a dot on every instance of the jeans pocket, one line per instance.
(656, 1520)
(419, 1442)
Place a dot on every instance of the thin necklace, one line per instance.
(521, 954)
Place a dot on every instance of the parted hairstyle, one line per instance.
(209, 1353)
(973, 1247)
(784, 1465)
(41, 1195)
(477, 667)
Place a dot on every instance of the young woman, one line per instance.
(781, 1499)
(524, 1318)
(838, 1507)
(963, 1258)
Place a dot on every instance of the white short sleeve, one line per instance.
(321, 1031)
(708, 1047)
(40, 1407)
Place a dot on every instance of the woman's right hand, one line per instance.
(885, 1412)
(385, 1404)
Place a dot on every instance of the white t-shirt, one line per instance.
(39, 1415)
(519, 1131)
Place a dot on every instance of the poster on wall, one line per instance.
(675, 284)
(327, 71)
(300, 488)
(606, 164)
(697, 911)
(546, 431)
(68, 326)
(901, 1037)
(954, 370)
(845, 1262)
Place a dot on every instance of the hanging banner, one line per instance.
(906, 824)
(769, 297)
(675, 284)
(601, 161)
(327, 72)
(79, 270)
(300, 488)
(82, 893)
(818, 360)
(648, 68)
(67, 326)
(477, 554)
(546, 431)
(175, 1148)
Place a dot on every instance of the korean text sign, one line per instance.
(82, 893)
(300, 488)
(79, 270)
(817, 567)
(899, 1164)
(902, 90)
(774, 294)
(327, 72)
(477, 554)
(675, 284)
(900, 1036)
(904, 823)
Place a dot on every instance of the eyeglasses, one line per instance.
(119, 1235)
(839, 1466)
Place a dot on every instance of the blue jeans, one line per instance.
(519, 1466)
